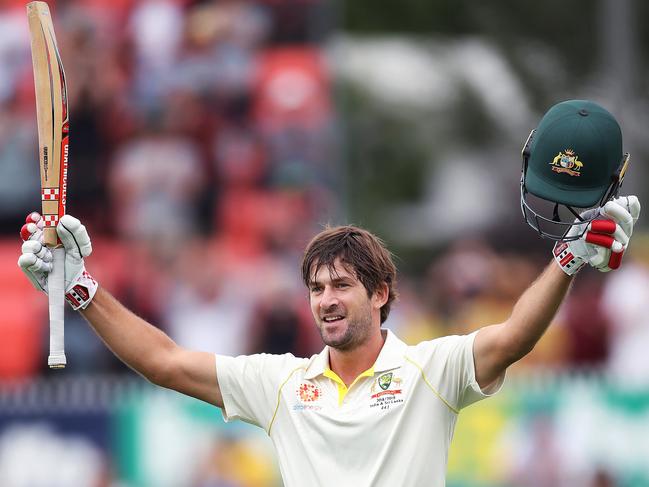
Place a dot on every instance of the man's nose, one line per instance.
(329, 298)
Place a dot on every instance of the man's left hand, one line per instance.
(603, 243)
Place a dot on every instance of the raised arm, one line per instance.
(140, 345)
(150, 352)
(496, 347)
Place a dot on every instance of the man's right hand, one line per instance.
(36, 259)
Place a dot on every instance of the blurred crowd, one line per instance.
(204, 155)
(202, 160)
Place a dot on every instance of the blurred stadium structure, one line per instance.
(211, 139)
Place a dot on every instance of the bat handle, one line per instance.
(56, 293)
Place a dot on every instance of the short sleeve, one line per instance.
(250, 385)
(450, 365)
(473, 392)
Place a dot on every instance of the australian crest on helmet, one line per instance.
(567, 162)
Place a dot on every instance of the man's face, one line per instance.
(341, 307)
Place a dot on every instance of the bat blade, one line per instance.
(53, 140)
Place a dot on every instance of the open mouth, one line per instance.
(332, 318)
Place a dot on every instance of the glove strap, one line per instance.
(569, 263)
(82, 291)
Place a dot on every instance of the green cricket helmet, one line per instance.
(572, 161)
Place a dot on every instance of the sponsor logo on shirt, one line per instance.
(307, 394)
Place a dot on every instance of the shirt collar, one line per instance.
(390, 357)
(318, 365)
(392, 353)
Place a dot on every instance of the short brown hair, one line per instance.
(358, 250)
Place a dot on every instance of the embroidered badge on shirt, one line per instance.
(385, 390)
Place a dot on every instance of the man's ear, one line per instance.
(381, 295)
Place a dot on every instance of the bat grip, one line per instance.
(50, 237)
(56, 294)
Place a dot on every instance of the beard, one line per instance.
(359, 327)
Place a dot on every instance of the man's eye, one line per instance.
(316, 289)
(342, 285)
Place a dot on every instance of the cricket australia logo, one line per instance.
(385, 380)
(386, 391)
(387, 384)
(567, 162)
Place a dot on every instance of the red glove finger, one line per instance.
(615, 260)
(599, 239)
(33, 217)
(603, 226)
(25, 233)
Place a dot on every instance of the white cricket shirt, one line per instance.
(391, 427)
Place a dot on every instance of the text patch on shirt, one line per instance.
(386, 391)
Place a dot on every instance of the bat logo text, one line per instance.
(46, 162)
(64, 185)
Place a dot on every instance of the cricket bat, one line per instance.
(53, 130)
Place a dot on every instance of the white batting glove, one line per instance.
(603, 243)
(36, 259)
